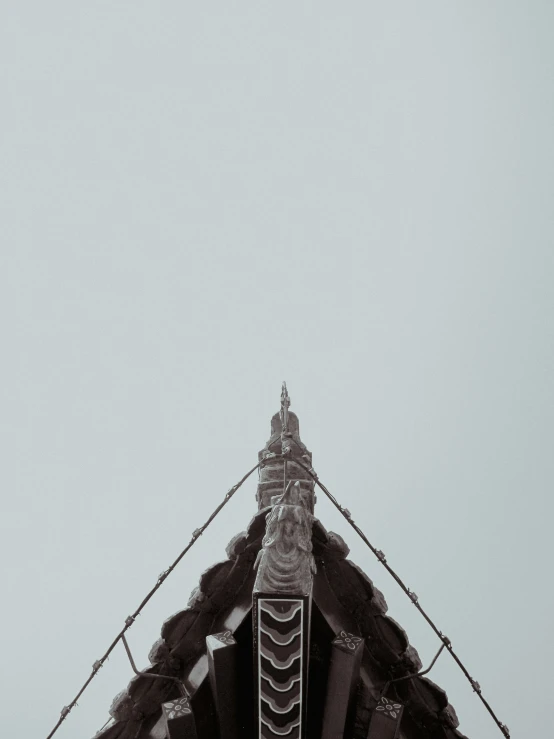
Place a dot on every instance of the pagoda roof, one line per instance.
(287, 595)
(344, 600)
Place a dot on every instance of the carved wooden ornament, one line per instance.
(281, 626)
(385, 721)
(179, 719)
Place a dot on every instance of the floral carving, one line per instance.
(346, 640)
(389, 708)
(175, 709)
(225, 637)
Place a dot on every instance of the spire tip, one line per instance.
(285, 403)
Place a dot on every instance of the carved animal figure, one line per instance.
(285, 562)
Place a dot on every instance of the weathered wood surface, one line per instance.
(222, 660)
(179, 719)
(385, 722)
(344, 673)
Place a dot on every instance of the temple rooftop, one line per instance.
(285, 638)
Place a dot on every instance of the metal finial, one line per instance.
(285, 402)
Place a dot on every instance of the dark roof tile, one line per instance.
(122, 706)
(215, 577)
(392, 634)
(336, 546)
(256, 528)
(449, 717)
(411, 660)
(175, 628)
(159, 651)
(424, 699)
(237, 545)
(147, 694)
(184, 633)
(114, 731)
(377, 602)
(190, 643)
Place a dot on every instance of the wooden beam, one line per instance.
(179, 719)
(385, 721)
(222, 665)
(344, 673)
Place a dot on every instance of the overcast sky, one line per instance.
(200, 200)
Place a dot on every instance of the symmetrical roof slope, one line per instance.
(344, 601)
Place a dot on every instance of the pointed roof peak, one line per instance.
(285, 403)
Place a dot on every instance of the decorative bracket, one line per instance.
(179, 719)
(222, 663)
(344, 672)
(385, 721)
(178, 716)
(281, 636)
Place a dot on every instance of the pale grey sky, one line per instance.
(200, 200)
